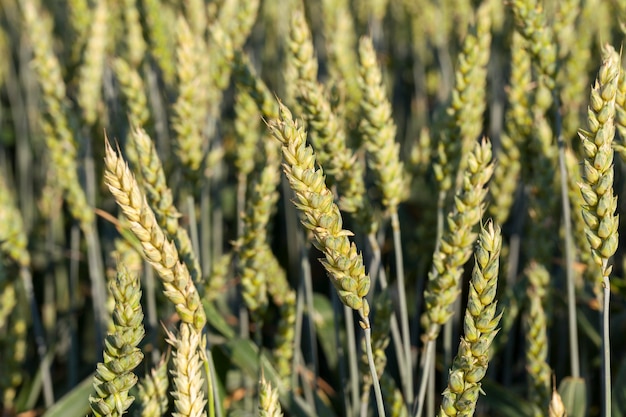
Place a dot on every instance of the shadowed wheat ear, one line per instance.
(157, 249)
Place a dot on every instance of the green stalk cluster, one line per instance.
(321, 216)
(114, 377)
(470, 364)
(227, 34)
(597, 185)
(456, 242)
(59, 137)
(160, 199)
(379, 130)
(152, 392)
(539, 372)
(564, 26)
(179, 288)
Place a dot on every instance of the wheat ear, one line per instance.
(114, 377)
(597, 191)
(159, 251)
(153, 391)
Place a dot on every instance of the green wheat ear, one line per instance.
(114, 377)
(321, 216)
(480, 327)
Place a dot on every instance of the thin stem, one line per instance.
(395, 328)
(404, 313)
(151, 309)
(40, 338)
(606, 345)
(352, 359)
(193, 225)
(97, 284)
(308, 296)
(427, 359)
(341, 356)
(205, 225)
(569, 252)
(376, 383)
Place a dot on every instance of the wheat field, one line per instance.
(312, 208)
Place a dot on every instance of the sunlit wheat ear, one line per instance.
(159, 251)
(161, 200)
(597, 186)
(114, 378)
(321, 216)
